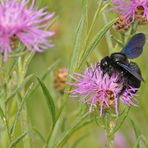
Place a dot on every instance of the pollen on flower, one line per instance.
(101, 91)
(108, 94)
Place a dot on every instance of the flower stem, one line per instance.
(110, 140)
(108, 124)
(24, 115)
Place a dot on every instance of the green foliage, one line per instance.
(33, 114)
(49, 101)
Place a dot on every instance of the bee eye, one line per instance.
(105, 63)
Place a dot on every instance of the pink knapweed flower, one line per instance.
(21, 20)
(101, 91)
(132, 9)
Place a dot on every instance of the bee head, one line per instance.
(105, 64)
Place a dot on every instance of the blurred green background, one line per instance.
(68, 13)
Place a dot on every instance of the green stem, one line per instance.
(110, 140)
(7, 124)
(90, 30)
(108, 125)
(24, 116)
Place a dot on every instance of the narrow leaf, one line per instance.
(49, 100)
(39, 134)
(20, 109)
(136, 130)
(144, 140)
(15, 142)
(78, 39)
(75, 145)
(94, 42)
(77, 125)
(18, 89)
(120, 121)
(2, 113)
(43, 78)
(136, 145)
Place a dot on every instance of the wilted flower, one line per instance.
(19, 21)
(122, 24)
(132, 9)
(101, 91)
(60, 78)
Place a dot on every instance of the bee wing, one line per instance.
(134, 47)
(133, 69)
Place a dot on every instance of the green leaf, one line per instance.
(26, 62)
(18, 139)
(137, 132)
(95, 41)
(78, 38)
(75, 145)
(136, 145)
(144, 139)
(39, 134)
(18, 89)
(79, 123)
(120, 121)
(108, 35)
(136, 129)
(50, 68)
(2, 115)
(49, 100)
(20, 109)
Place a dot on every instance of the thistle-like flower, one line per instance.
(19, 21)
(100, 91)
(133, 9)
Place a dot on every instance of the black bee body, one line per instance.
(129, 73)
(110, 65)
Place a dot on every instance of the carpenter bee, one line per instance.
(129, 72)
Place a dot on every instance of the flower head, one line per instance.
(132, 9)
(60, 77)
(102, 91)
(19, 21)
